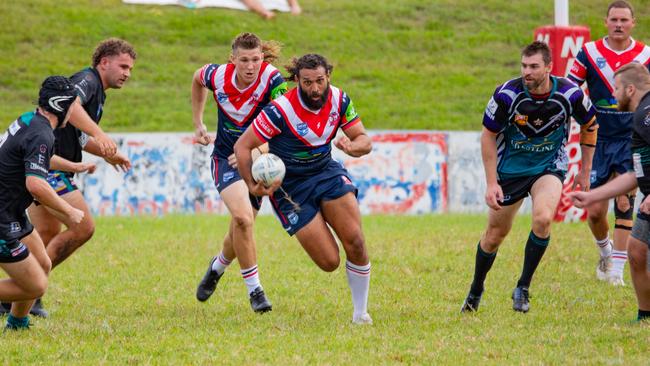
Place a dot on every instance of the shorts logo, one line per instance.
(293, 218)
(18, 251)
(228, 176)
(521, 119)
(601, 62)
(346, 180)
(222, 97)
(593, 176)
(302, 128)
(14, 227)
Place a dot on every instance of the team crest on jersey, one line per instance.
(14, 227)
(302, 128)
(521, 119)
(601, 62)
(254, 99)
(333, 118)
(222, 97)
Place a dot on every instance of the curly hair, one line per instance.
(112, 47)
(309, 61)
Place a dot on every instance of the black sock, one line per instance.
(483, 264)
(643, 314)
(535, 248)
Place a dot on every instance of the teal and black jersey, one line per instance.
(25, 149)
(532, 131)
(641, 144)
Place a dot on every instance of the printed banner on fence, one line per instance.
(406, 173)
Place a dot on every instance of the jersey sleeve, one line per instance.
(495, 117)
(350, 116)
(38, 150)
(85, 85)
(268, 123)
(278, 85)
(207, 74)
(583, 109)
(578, 72)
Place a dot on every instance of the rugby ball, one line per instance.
(268, 168)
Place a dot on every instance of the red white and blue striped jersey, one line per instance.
(236, 109)
(301, 137)
(596, 64)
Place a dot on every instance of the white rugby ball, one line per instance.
(268, 168)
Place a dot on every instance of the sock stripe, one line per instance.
(223, 260)
(249, 272)
(543, 242)
(360, 270)
(603, 243)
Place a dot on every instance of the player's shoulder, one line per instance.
(509, 90)
(564, 84)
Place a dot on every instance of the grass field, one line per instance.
(128, 298)
(408, 64)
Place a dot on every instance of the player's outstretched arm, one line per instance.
(65, 165)
(243, 153)
(199, 95)
(80, 119)
(616, 187)
(40, 189)
(493, 193)
(356, 142)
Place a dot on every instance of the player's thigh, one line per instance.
(237, 200)
(44, 221)
(500, 221)
(343, 215)
(28, 274)
(545, 194)
(319, 243)
(37, 249)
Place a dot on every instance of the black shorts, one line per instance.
(11, 248)
(516, 189)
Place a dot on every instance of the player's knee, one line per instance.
(493, 237)
(46, 264)
(329, 264)
(623, 208)
(542, 223)
(243, 221)
(83, 232)
(37, 287)
(637, 256)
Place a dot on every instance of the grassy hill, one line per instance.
(410, 64)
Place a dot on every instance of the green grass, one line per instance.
(409, 64)
(128, 298)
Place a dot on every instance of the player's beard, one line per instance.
(314, 104)
(623, 104)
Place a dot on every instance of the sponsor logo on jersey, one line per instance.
(302, 128)
(601, 62)
(14, 227)
(646, 119)
(222, 97)
(34, 166)
(538, 122)
(293, 218)
(491, 108)
(14, 128)
(521, 119)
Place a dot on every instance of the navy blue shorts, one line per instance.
(224, 175)
(11, 248)
(610, 156)
(331, 183)
(516, 189)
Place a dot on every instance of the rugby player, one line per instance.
(525, 129)
(317, 191)
(632, 91)
(241, 88)
(112, 62)
(595, 64)
(25, 151)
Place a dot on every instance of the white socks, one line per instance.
(619, 257)
(359, 282)
(605, 246)
(251, 277)
(220, 264)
